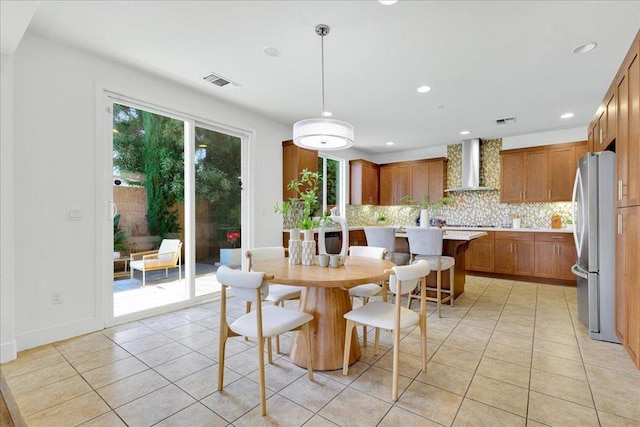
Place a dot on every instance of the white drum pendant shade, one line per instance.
(323, 134)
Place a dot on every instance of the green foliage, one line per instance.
(306, 189)
(423, 203)
(119, 235)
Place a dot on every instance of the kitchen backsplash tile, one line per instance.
(468, 207)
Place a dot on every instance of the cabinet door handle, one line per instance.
(601, 135)
(620, 224)
(515, 248)
(556, 237)
(549, 194)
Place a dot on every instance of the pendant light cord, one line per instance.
(322, 62)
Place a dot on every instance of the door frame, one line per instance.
(105, 96)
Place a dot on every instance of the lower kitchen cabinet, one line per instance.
(514, 253)
(479, 256)
(357, 238)
(555, 253)
(628, 280)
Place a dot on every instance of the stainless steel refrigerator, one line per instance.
(594, 235)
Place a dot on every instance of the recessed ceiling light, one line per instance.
(566, 116)
(441, 107)
(272, 51)
(424, 89)
(327, 114)
(389, 143)
(584, 48)
(388, 2)
(464, 132)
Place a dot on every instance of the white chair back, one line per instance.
(425, 241)
(367, 251)
(168, 249)
(266, 253)
(381, 236)
(243, 283)
(408, 276)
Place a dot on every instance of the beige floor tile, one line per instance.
(570, 352)
(532, 423)
(280, 412)
(562, 387)
(161, 324)
(72, 412)
(456, 358)
(430, 402)
(610, 420)
(110, 419)
(131, 334)
(315, 395)
(355, 371)
(163, 354)
(499, 394)
(280, 374)
(409, 365)
(553, 411)
(157, 405)
(32, 360)
(472, 331)
(183, 366)
(318, 421)
(446, 377)
(201, 340)
(233, 346)
(114, 372)
(354, 408)
(40, 377)
(559, 366)
(465, 343)
(475, 414)
(39, 399)
(442, 323)
(147, 343)
(205, 382)
(131, 388)
(184, 331)
(196, 415)
(501, 370)
(520, 342)
(521, 356)
(79, 346)
(400, 417)
(235, 400)
(614, 392)
(97, 359)
(378, 383)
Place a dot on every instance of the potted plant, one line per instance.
(427, 209)
(298, 211)
(119, 237)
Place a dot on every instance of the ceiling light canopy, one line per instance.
(322, 133)
(424, 89)
(566, 116)
(388, 2)
(464, 132)
(584, 48)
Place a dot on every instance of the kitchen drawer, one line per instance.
(554, 237)
(514, 235)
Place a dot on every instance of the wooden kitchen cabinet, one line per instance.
(563, 160)
(607, 121)
(480, 254)
(294, 160)
(555, 253)
(364, 178)
(514, 253)
(357, 238)
(415, 179)
(628, 280)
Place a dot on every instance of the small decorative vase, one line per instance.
(424, 218)
(295, 247)
(308, 248)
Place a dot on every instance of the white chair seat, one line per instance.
(446, 261)
(275, 321)
(382, 315)
(365, 291)
(148, 263)
(279, 293)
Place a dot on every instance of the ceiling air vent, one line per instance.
(219, 80)
(506, 121)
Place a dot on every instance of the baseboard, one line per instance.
(8, 351)
(57, 333)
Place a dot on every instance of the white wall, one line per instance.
(7, 336)
(54, 126)
(545, 138)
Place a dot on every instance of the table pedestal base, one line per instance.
(328, 306)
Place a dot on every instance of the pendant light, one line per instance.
(322, 133)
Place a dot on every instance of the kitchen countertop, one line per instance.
(470, 229)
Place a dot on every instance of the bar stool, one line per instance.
(385, 237)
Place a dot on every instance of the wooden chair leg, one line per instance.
(396, 364)
(365, 301)
(263, 399)
(451, 286)
(247, 310)
(270, 351)
(376, 342)
(439, 292)
(307, 335)
(347, 347)
(224, 333)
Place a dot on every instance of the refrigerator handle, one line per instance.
(573, 211)
(576, 270)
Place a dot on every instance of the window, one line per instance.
(333, 188)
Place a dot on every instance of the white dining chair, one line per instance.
(426, 244)
(385, 237)
(264, 322)
(367, 290)
(394, 317)
(278, 294)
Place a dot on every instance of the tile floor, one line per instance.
(508, 353)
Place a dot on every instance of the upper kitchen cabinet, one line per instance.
(415, 179)
(365, 178)
(539, 174)
(627, 144)
(294, 160)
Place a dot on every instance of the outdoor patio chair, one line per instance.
(169, 255)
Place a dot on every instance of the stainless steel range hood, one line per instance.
(470, 167)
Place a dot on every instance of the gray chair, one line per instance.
(426, 243)
(385, 237)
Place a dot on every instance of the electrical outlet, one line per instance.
(74, 214)
(57, 297)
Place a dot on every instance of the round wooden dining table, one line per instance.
(326, 297)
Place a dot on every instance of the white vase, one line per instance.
(424, 218)
(295, 247)
(308, 248)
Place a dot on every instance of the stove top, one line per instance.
(471, 226)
